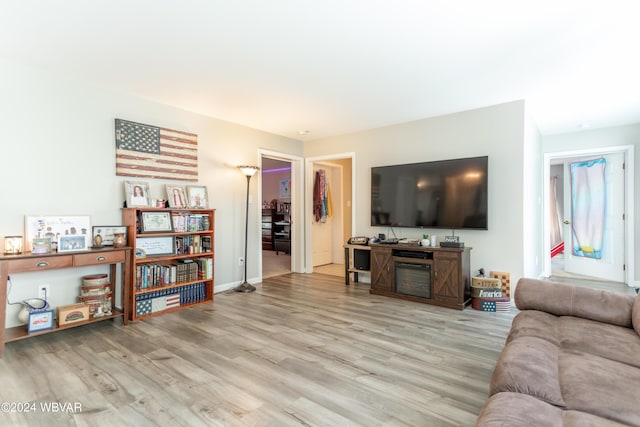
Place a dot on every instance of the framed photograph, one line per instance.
(197, 197)
(54, 227)
(107, 232)
(176, 196)
(72, 243)
(40, 321)
(137, 194)
(155, 222)
(162, 245)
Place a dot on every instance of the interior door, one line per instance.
(610, 265)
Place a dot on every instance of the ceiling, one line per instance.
(337, 66)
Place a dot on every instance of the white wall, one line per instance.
(597, 138)
(496, 131)
(58, 157)
(533, 239)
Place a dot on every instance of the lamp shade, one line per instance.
(249, 170)
(13, 245)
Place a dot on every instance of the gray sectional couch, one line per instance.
(572, 358)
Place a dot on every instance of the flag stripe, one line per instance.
(175, 155)
(142, 166)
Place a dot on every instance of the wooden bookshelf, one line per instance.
(171, 269)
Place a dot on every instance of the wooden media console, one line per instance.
(431, 275)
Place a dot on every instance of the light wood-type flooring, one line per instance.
(303, 350)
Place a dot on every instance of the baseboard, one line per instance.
(229, 286)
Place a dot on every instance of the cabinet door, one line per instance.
(447, 275)
(381, 269)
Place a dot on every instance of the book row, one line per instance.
(193, 244)
(164, 299)
(190, 222)
(155, 275)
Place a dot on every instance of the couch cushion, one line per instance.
(604, 340)
(518, 410)
(529, 365)
(533, 323)
(599, 386)
(521, 410)
(569, 300)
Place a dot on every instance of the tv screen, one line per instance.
(441, 194)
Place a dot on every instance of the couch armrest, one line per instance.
(569, 300)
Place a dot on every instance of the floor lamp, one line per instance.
(247, 171)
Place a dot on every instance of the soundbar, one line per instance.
(452, 244)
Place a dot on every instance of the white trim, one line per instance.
(629, 172)
(309, 161)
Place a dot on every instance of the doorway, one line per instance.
(610, 258)
(275, 222)
(330, 188)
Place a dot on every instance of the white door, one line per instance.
(611, 264)
(322, 230)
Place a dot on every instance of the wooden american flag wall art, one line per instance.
(153, 152)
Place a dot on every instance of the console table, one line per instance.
(431, 275)
(31, 263)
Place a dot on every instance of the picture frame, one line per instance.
(40, 320)
(155, 222)
(72, 243)
(284, 189)
(54, 227)
(137, 194)
(107, 232)
(159, 245)
(198, 198)
(176, 196)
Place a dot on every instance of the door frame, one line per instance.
(629, 223)
(297, 208)
(309, 178)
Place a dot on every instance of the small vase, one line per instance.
(118, 240)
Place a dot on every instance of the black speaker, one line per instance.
(362, 259)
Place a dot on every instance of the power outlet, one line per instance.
(240, 261)
(43, 292)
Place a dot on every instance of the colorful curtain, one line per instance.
(588, 204)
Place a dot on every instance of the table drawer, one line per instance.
(98, 258)
(39, 264)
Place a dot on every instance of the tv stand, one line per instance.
(431, 275)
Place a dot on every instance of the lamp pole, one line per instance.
(248, 171)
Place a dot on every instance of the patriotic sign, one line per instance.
(152, 152)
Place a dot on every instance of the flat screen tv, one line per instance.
(441, 194)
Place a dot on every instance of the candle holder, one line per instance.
(13, 245)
